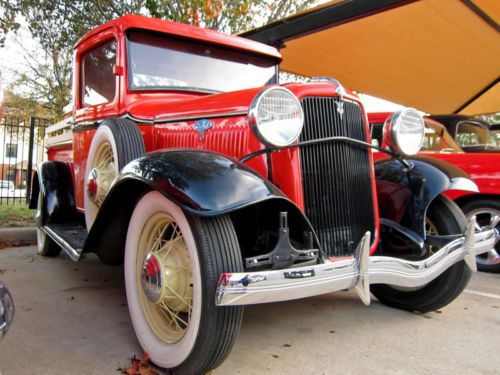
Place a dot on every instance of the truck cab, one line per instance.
(216, 187)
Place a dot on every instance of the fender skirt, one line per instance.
(55, 180)
(404, 194)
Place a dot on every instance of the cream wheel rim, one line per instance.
(103, 172)
(430, 229)
(164, 278)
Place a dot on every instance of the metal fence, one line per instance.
(21, 149)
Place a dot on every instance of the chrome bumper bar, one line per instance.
(246, 288)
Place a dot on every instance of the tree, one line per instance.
(230, 16)
(58, 24)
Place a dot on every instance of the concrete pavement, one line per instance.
(23, 235)
(72, 318)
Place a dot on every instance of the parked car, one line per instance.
(6, 310)
(470, 133)
(7, 189)
(484, 169)
(218, 188)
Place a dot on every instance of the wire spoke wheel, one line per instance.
(166, 278)
(443, 218)
(116, 142)
(173, 262)
(102, 175)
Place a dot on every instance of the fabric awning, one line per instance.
(439, 56)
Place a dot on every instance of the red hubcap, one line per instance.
(92, 186)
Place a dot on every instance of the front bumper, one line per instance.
(246, 288)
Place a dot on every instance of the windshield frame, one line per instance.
(129, 74)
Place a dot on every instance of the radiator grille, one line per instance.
(336, 176)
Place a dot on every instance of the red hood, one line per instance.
(165, 106)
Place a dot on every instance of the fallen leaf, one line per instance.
(275, 356)
(287, 345)
(139, 366)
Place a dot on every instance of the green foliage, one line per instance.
(230, 16)
(492, 118)
(17, 215)
(58, 24)
(24, 106)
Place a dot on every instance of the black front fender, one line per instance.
(404, 194)
(201, 182)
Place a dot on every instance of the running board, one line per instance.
(71, 237)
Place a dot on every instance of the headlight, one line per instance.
(276, 116)
(404, 131)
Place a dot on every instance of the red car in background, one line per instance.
(483, 168)
(472, 134)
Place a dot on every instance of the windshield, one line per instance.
(473, 134)
(159, 62)
(437, 139)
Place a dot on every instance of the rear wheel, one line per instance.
(443, 218)
(46, 246)
(487, 212)
(116, 142)
(172, 266)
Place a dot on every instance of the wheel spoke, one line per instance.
(177, 295)
(175, 317)
(495, 219)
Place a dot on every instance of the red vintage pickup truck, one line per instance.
(483, 168)
(216, 187)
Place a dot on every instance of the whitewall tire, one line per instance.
(172, 265)
(116, 142)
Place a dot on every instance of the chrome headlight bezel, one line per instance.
(398, 122)
(257, 125)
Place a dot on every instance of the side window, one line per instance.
(98, 80)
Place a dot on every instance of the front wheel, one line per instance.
(172, 265)
(444, 217)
